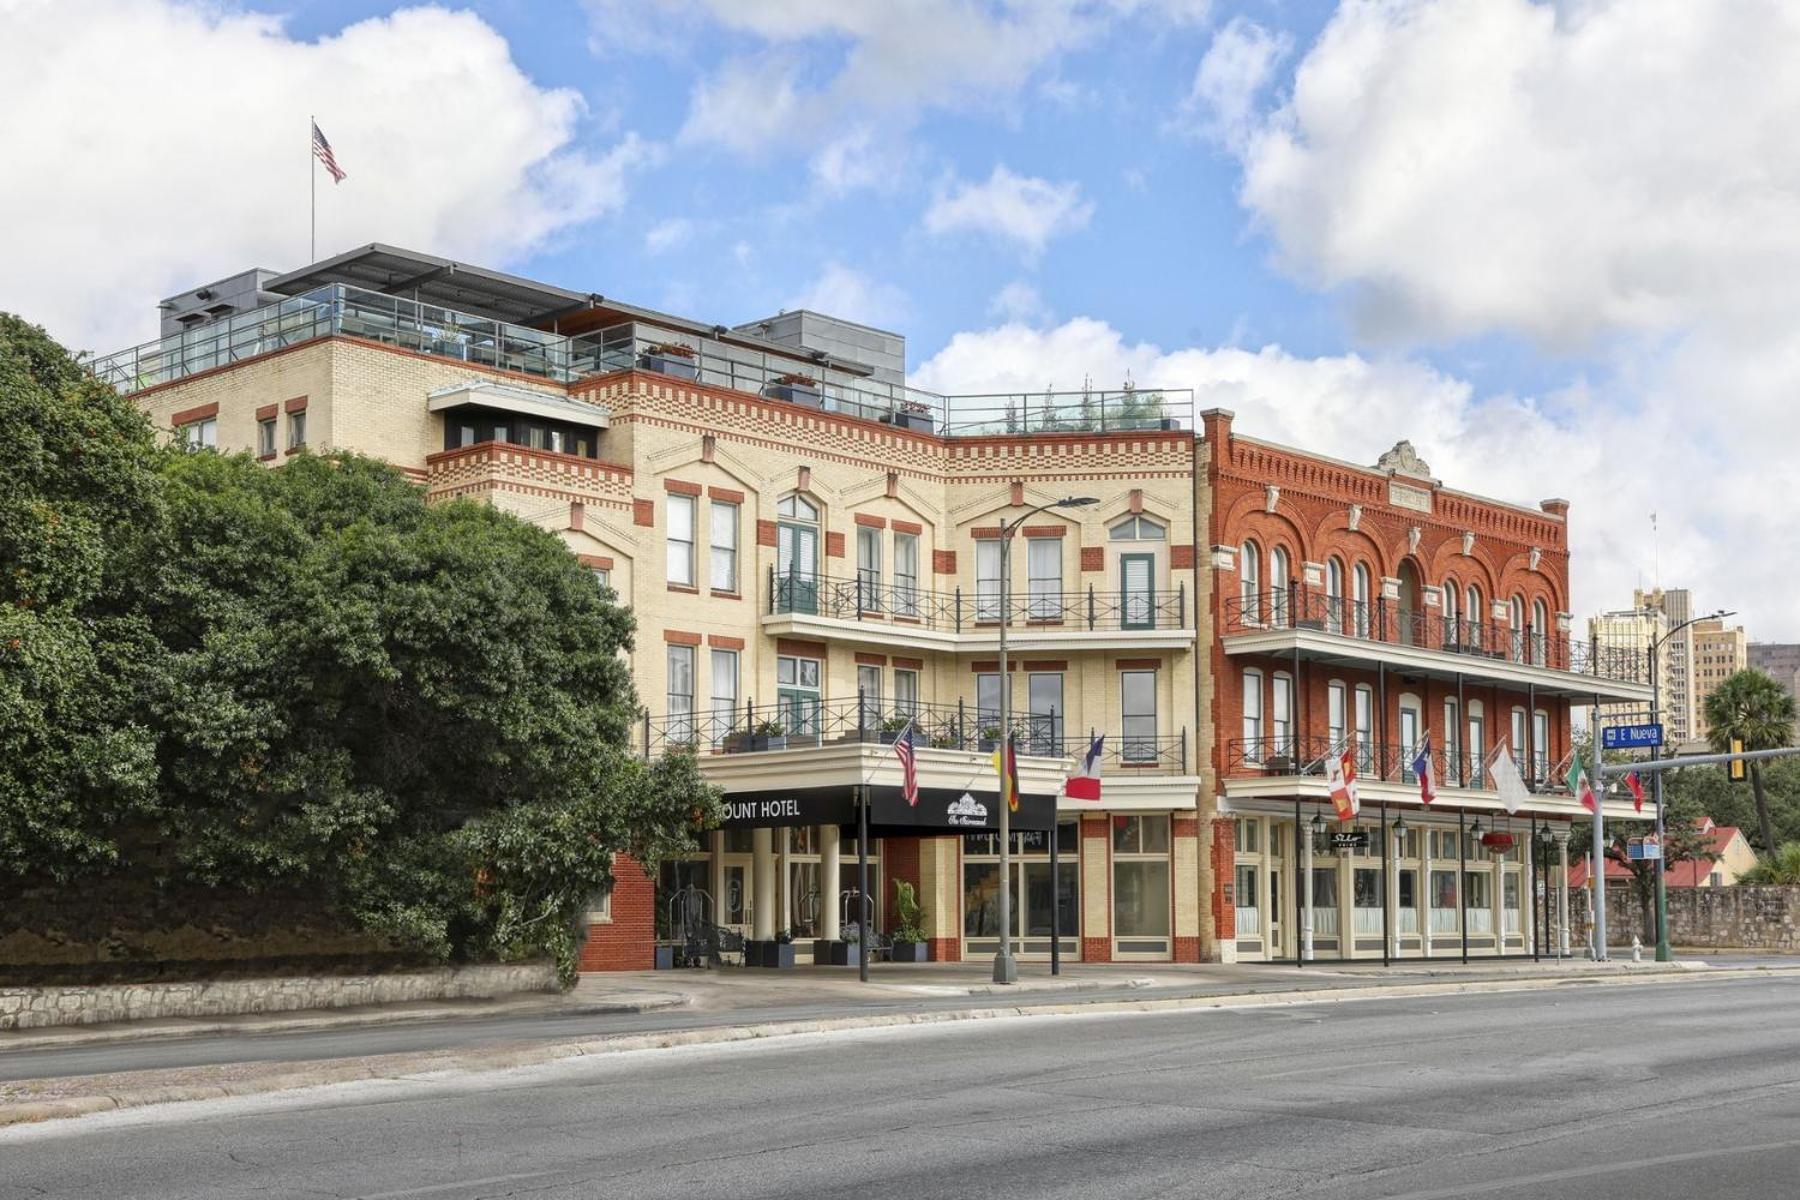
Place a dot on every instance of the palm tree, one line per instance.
(1751, 707)
(1782, 866)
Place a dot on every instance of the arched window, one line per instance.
(1250, 583)
(1540, 633)
(1361, 600)
(1515, 619)
(1136, 528)
(1278, 587)
(796, 555)
(1334, 595)
(1452, 623)
(1475, 620)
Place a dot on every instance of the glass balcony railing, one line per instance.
(794, 379)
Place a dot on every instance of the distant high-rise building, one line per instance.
(1720, 651)
(1779, 659)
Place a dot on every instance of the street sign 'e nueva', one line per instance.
(1630, 737)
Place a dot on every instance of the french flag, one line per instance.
(1084, 784)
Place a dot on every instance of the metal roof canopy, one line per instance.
(441, 281)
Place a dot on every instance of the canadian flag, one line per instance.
(1340, 772)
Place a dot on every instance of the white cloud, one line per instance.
(1564, 171)
(1019, 303)
(152, 146)
(668, 234)
(1236, 68)
(1711, 485)
(841, 291)
(860, 158)
(1018, 208)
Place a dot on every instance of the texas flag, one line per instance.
(1421, 766)
(1637, 790)
(1340, 773)
(1084, 784)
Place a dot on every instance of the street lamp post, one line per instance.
(1663, 952)
(1006, 967)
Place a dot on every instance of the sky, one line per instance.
(1555, 245)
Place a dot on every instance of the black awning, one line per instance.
(939, 811)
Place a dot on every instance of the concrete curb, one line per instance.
(441, 1063)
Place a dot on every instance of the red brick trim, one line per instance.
(595, 560)
(678, 637)
(685, 589)
(197, 413)
(987, 666)
(766, 533)
(1181, 558)
(870, 660)
(1185, 827)
(909, 664)
(269, 457)
(1046, 664)
(799, 648)
(908, 527)
(985, 531)
(726, 595)
(1138, 664)
(643, 512)
(943, 562)
(681, 487)
(1042, 531)
(834, 544)
(729, 495)
(720, 641)
(1093, 558)
(268, 411)
(871, 522)
(297, 404)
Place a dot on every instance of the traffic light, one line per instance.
(1735, 768)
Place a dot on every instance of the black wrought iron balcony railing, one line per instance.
(799, 721)
(1299, 607)
(867, 598)
(1390, 762)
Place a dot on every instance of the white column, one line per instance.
(1425, 890)
(1306, 890)
(1393, 899)
(784, 838)
(762, 870)
(829, 871)
(1497, 901)
(1562, 897)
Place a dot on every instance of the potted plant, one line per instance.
(764, 735)
(847, 952)
(671, 358)
(911, 414)
(779, 954)
(989, 739)
(909, 932)
(893, 726)
(796, 388)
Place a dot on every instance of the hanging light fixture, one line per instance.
(1400, 824)
(1318, 824)
(1475, 829)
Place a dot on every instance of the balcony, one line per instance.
(484, 468)
(739, 365)
(1361, 634)
(865, 610)
(1286, 768)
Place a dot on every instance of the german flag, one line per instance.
(1006, 765)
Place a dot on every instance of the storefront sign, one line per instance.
(1355, 840)
(938, 809)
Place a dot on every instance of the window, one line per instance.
(1253, 716)
(1520, 750)
(1137, 708)
(1247, 835)
(906, 574)
(868, 695)
(723, 558)
(1365, 728)
(1452, 625)
(906, 692)
(1140, 835)
(1043, 565)
(1138, 528)
(1540, 637)
(296, 429)
(1336, 715)
(1044, 701)
(680, 540)
(797, 694)
(603, 576)
(796, 555)
(1362, 607)
(265, 438)
(1250, 583)
(1411, 730)
(987, 579)
(868, 569)
(1141, 878)
(1278, 586)
(1334, 595)
(724, 692)
(987, 704)
(1474, 620)
(1515, 617)
(1540, 744)
(681, 694)
(1137, 580)
(1281, 714)
(1477, 745)
(1452, 736)
(199, 435)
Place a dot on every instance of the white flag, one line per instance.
(1507, 782)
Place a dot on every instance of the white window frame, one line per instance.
(1337, 715)
(1278, 586)
(722, 561)
(1132, 746)
(678, 515)
(679, 663)
(1281, 713)
(296, 429)
(265, 438)
(1251, 707)
(906, 574)
(1250, 583)
(1043, 577)
(723, 672)
(868, 569)
(987, 579)
(1361, 605)
(1364, 732)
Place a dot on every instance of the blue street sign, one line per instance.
(1630, 737)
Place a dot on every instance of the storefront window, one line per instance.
(1141, 835)
(1443, 902)
(1033, 895)
(1141, 878)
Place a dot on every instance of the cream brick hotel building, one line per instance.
(813, 553)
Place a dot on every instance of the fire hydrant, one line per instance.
(1637, 949)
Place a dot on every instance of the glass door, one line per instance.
(1273, 911)
(797, 696)
(1032, 889)
(1137, 588)
(797, 556)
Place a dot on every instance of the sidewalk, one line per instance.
(609, 1014)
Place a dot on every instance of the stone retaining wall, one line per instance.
(37, 1008)
(1720, 918)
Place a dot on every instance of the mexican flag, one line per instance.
(1582, 788)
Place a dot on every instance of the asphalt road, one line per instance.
(1647, 1091)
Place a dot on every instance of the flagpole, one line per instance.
(1597, 876)
(312, 179)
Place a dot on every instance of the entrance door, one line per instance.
(797, 695)
(797, 556)
(1272, 912)
(1032, 894)
(1137, 588)
(1410, 614)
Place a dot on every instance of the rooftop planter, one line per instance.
(797, 389)
(911, 415)
(671, 358)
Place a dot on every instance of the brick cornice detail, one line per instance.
(681, 487)
(297, 404)
(720, 641)
(678, 637)
(728, 495)
(869, 521)
(908, 527)
(643, 512)
(1046, 531)
(197, 413)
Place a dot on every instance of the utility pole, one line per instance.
(1597, 875)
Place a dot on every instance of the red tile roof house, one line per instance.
(1727, 859)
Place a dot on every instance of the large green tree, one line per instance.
(230, 677)
(1751, 707)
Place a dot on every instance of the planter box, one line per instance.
(912, 952)
(916, 421)
(749, 743)
(776, 955)
(845, 954)
(665, 958)
(672, 365)
(795, 393)
(987, 745)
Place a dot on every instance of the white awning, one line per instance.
(524, 401)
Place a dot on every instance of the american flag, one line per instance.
(322, 152)
(909, 766)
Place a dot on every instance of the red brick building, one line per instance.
(1369, 615)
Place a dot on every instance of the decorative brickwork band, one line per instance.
(268, 412)
(1043, 531)
(799, 648)
(1046, 664)
(909, 664)
(643, 512)
(595, 561)
(1138, 664)
(297, 404)
(870, 660)
(728, 495)
(985, 531)
(1093, 558)
(908, 527)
